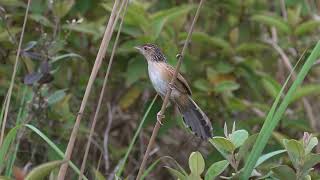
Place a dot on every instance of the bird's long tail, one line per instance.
(194, 117)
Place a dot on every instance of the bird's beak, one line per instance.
(138, 48)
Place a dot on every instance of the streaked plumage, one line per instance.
(160, 73)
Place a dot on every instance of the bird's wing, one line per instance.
(180, 83)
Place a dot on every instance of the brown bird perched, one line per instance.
(160, 74)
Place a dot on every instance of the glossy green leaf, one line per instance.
(267, 156)
(215, 169)
(196, 163)
(42, 171)
(223, 144)
(238, 137)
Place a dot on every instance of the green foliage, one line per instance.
(233, 73)
(42, 171)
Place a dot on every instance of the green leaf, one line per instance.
(58, 58)
(54, 147)
(136, 69)
(284, 172)
(272, 86)
(160, 18)
(245, 148)
(267, 156)
(276, 112)
(277, 22)
(10, 137)
(176, 173)
(205, 39)
(306, 90)
(310, 161)
(196, 163)
(223, 144)
(239, 137)
(215, 169)
(98, 175)
(155, 163)
(312, 143)
(62, 7)
(202, 85)
(308, 26)
(5, 178)
(295, 151)
(56, 96)
(224, 86)
(136, 134)
(43, 170)
(251, 47)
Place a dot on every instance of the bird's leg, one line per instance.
(160, 117)
(171, 86)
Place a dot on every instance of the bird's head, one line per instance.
(151, 52)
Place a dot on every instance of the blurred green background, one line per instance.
(240, 55)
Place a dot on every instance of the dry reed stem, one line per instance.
(101, 53)
(8, 97)
(169, 90)
(94, 121)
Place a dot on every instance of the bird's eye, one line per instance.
(145, 48)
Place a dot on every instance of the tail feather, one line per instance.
(195, 118)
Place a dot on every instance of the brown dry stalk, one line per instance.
(94, 121)
(101, 53)
(8, 97)
(166, 99)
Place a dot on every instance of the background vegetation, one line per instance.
(240, 55)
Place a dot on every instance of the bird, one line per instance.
(160, 74)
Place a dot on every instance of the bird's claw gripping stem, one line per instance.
(171, 86)
(160, 117)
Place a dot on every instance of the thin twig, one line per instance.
(166, 99)
(106, 138)
(101, 53)
(7, 104)
(124, 4)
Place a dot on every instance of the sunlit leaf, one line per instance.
(43, 170)
(215, 169)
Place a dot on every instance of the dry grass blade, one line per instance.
(8, 97)
(166, 99)
(101, 53)
(94, 121)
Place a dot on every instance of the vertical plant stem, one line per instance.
(101, 53)
(83, 165)
(7, 104)
(166, 99)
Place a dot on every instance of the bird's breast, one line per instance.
(158, 78)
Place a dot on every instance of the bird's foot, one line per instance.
(171, 86)
(160, 117)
